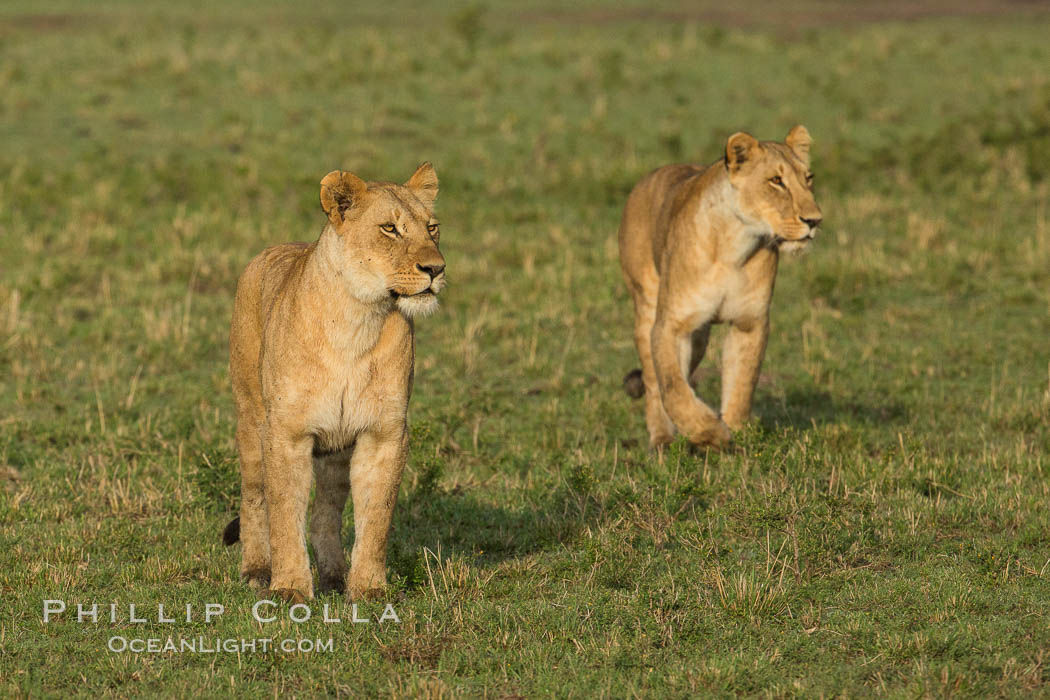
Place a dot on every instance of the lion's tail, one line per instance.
(232, 534)
(633, 384)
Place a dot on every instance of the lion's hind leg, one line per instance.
(332, 479)
(661, 429)
(698, 349)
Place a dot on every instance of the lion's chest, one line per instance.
(743, 293)
(369, 393)
(347, 407)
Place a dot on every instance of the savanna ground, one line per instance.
(884, 528)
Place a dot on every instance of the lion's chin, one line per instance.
(796, 245)
(422, 304)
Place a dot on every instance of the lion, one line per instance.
(698, 246)
(321, 362)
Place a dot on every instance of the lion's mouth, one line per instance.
(394, 294)
(777, 240)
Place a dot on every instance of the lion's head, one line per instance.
(387, 238)
(774, 186)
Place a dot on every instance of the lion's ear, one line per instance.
(798, 140)
(740, 148)
(340, 191)
(424, 182)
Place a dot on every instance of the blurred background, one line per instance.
(150, 149)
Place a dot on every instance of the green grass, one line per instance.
(885, 528)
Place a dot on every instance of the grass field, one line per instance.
(885, 528)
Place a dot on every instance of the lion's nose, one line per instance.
(812, 223)
(432, 270)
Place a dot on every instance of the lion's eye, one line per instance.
(390, 229)
(809, 179)
(432, 228)
(775, 180)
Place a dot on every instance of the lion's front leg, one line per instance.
(288, 472)
(672, 350)
(745, 345)
(375, 477)
(254, 523)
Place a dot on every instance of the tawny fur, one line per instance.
(321, 361)
(698, 246)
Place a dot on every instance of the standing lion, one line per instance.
(321, 359)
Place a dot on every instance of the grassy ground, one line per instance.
(884, 530)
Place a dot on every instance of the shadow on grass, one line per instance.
(457, 524)
(801, 408)
(451, 523)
